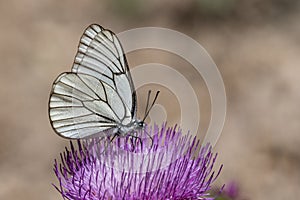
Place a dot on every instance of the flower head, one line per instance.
(172, 166)
(231, 191)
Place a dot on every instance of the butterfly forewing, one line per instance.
(98, 94)
(100, 54)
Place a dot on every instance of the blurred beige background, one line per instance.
(255, 44)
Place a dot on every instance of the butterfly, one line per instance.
(97, 98)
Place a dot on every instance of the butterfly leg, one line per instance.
(151, 138)
(134, 139)
(114, 136)
(108, 140)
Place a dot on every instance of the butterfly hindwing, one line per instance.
(78, 112)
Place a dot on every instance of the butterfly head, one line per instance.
(139, 124)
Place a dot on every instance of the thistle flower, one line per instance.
(231, 191)
(172, 166)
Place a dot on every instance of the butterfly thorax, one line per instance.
(130, 128)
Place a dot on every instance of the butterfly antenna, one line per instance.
(153, 102)
(147, 104)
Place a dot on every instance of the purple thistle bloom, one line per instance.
(175, 166)
(232, 190)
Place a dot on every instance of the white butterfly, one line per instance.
(98, 97)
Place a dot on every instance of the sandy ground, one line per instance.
(258, 59)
